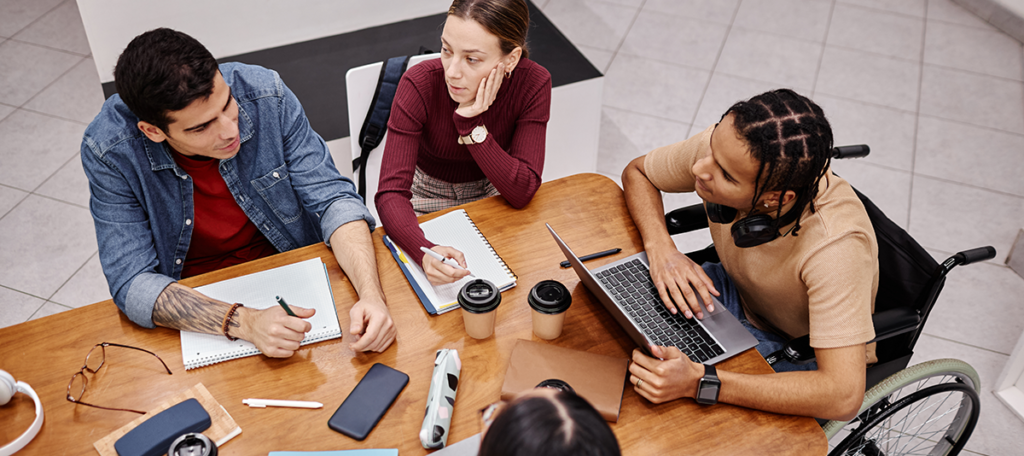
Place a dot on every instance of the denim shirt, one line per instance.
(283, 178)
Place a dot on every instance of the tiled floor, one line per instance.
(936, 92)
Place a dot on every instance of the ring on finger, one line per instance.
(639, 381)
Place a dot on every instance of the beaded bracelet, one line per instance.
(227, 319)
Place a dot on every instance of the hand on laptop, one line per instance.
(661, 380)
(674, 273)
(439, 273)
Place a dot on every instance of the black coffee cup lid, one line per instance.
(550, 297)
(479, 296)
(556, 383)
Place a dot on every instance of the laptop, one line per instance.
(625, 289)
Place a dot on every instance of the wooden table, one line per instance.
(589, 213)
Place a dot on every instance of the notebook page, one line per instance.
(303, 284)
(455, 229)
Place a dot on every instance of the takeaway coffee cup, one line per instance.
(479, 299)
(549, 300)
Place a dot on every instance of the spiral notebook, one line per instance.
(304, 284)
(457, 230)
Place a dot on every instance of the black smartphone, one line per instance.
(367, 403)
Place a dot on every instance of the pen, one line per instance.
(262, 403)
(439, 257)
(592, 256)
(280, 301)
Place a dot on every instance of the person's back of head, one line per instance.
(552, 423)
(790, 137)
(162, 71)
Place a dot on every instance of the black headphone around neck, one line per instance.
(750, 231)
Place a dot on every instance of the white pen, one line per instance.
(449, 261)
(261, 403)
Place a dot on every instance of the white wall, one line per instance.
(1006, 15)
(230, 27)
(1014, 6)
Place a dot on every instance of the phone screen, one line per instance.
(367, 403)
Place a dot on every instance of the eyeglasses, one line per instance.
(93, 362)
(489, 413)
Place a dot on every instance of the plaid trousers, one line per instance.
(430, 194)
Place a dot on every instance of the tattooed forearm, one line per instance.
(181, 307)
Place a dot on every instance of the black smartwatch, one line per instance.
(708, 387)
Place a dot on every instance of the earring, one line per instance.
(508, 75)
(766, 204)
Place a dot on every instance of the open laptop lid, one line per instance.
(591, 283)
(721, 324)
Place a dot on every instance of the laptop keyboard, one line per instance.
(631, 285)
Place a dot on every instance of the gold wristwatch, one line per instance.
(477, 136)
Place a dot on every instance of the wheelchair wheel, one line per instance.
(927, 409)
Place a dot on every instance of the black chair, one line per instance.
(899, 412)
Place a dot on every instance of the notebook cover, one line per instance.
(597, 378)
(403, 264)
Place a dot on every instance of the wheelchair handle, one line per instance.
(857, 151)
(974, 255)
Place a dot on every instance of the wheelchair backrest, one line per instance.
(908, 276)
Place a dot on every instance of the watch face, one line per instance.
(707, 391)
(479, 134)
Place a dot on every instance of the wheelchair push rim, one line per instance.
(927, 409)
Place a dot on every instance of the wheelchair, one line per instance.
(928, 409)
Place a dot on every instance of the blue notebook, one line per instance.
(457, 230)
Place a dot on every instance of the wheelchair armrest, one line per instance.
(889, 323)
(894, 322)
(686, 219)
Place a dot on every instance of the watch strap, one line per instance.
(710, 372)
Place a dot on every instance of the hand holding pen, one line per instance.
(275, 334)
(451, 267)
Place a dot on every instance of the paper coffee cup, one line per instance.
(479, 300)
(549, 300)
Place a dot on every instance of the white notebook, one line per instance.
(457, 230)
(304, 284)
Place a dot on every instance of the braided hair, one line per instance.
(790, 137)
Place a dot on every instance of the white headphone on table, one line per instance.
(7, 389)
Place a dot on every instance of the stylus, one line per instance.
(592, 256)
(441, 258)
(260, 403)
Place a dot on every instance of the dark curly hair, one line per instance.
(162, 71)
(790, 137)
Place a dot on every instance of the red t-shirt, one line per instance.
(222, 235)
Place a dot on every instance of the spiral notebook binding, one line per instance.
(316, 335)
(487, 243)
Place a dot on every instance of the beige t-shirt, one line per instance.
(820, 282)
